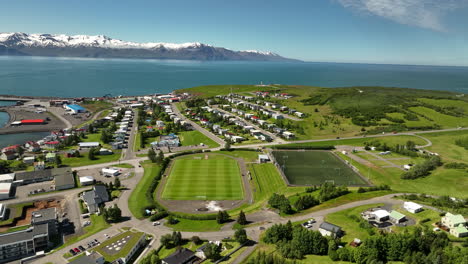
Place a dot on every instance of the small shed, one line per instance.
(262, 158)
(86, 180)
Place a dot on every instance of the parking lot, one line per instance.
(96, 174)
(25, 190)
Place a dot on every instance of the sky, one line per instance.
(429, 32)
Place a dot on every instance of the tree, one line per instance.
(240, 236)
(177, 238)
(241, 220)
(160, 157)
(222, 217)
(212, 251)
(196, 240)
(58, 161)
(117, 183)
(142, 141)
(166, 240)
(152, 155)
(111, 186)
(91, 155)
(171, 220)
(227, 145)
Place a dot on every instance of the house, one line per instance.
(104, 151)
(97, 196)
(262, 158)
(459, 231)
(65, 180)
(110, 172)
(381, 215)
(29, 160)
(32, 146)
(39, 165)
(9, 155)
(87, 180)
(52, 144)
(327, 229)
(237, 139)
(451, 221)
(412, 207)
(181, 256)
(50, 157)
(83, 145)
(397, 217)
(288, 135)
(299, 114)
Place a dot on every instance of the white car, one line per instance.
(156, 223)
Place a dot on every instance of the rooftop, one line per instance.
(44, 215)
(396, 215)
(330, 227)
(25, 234)
(182, 255)
(75, 107)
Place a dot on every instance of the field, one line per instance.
(204, 177)
(315, 167)
(137, 200)
(191, 138)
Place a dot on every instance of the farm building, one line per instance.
(381, 215)
(75, 108)
(327, 229)
(412, 207)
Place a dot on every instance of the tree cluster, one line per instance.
(280, 202)
(151, 258)
(329, 191)
(422, 169)
(296, 242)
(112, 214)
(222, 217)
(383, 187)
(172, 240)
(305, 202)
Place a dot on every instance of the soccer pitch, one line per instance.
(204, 177)
(315, 167)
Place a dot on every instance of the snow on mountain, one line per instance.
(101, 46)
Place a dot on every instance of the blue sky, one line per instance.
(371, 31)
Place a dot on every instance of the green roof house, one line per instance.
(451, 221)
(50, 157)
(459, 231)
(397, 217)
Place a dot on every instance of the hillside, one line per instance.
(353, 111)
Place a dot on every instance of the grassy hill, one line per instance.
(351, 111)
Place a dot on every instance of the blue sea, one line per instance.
(76, 77)
(72, 77)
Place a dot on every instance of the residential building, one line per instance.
(328, 229)
(46, 216)
(89, 145)
(451, 221)
(5, 190)
(64, 180)
(412, 207)
(9, 155)
(97, 196)
(459, 231)
(23, 243)
(181, 256)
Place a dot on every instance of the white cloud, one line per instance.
(421, 13)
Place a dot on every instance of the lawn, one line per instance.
(315, 168)
(350, 226)
(96, 106)
(446, 121)
(213, 90)
(187, 225)
(137, 200)
(248, 156)
(124, 165)
(131, 239)
(454, 183)
(84, 160)
(443, 143)
(194, 138)
(204, 177)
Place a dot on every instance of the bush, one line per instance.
(159, 215)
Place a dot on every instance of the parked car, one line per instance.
(81, 248)
(76, 250)
(156, 223)
(72, 252)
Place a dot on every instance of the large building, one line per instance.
(23, 243)
(75, 108)
(5, 190)
(46, 216)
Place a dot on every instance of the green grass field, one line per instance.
(190, 138)
(131, 239)
(196, 178)
(316, 167)
(137, 200)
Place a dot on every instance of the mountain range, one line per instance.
(22, 44)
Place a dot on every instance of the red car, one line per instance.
(76, 250)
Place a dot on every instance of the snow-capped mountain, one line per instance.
(100, 46)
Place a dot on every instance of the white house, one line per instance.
(412, 207)
(89, 144)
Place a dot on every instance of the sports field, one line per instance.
(315, 167)
(204, 177)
